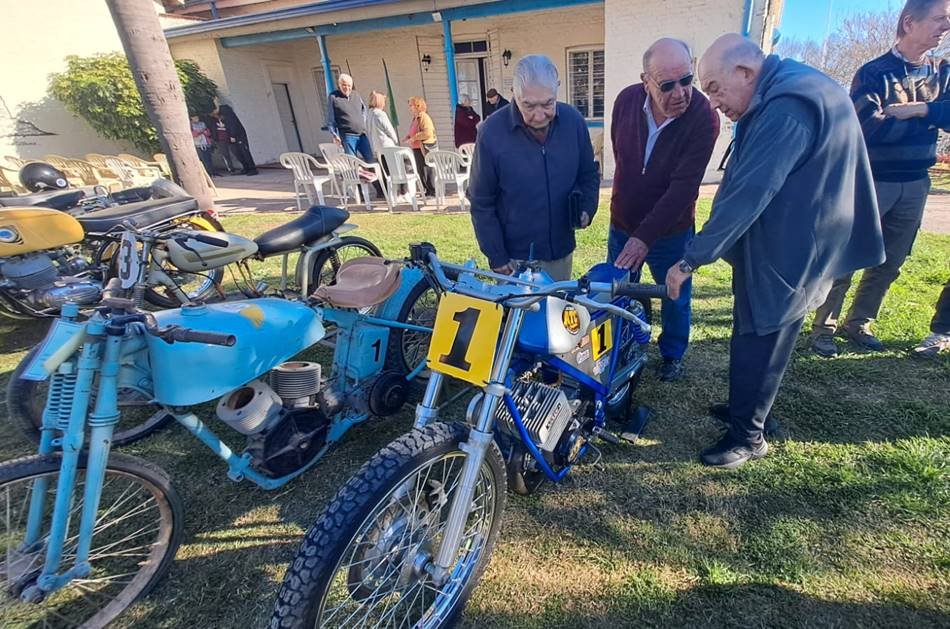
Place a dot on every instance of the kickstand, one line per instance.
(634, 426)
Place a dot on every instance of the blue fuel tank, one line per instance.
(269, 331)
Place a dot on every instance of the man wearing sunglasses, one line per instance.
(663, 134)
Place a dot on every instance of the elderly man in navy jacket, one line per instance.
(663, 133)
(796, 209)
(533, 161)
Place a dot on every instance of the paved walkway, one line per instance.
(272, 191)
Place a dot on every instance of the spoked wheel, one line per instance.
(408, 348)
(137, 530)
(363, 563)
(328, 262)
(200, 287)
(27, 398)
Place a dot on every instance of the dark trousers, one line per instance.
(243, 152)
(941, 321)
(425, 172)
(756, 366)
(224, 149)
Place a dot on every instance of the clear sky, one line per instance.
(808, 19)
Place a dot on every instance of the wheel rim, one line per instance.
(380, 579)
(331, 265)
(415, 345)
(132, 534)
(137, 413)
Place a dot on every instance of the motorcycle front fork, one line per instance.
(479, 440)
(102, 422)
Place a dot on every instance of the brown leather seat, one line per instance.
(361, 282)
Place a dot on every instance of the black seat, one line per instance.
(55, 199)
(312, 225)
(141, 215)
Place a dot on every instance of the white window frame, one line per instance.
(591, 48)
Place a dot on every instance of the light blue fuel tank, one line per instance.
(268, 330)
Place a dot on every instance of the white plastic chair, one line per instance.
(467, 151)
(402, 172)
(448, 167)
(346, 170)
(302, 165)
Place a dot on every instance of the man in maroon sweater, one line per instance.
(663, 134)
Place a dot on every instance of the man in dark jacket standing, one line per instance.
(495, 102)
(902, 102)
(795, 209)
(663, 133)
(530, 161)
(346, 119)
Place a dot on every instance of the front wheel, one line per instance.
(137, 531)
(363, 561)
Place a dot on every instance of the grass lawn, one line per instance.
(845, 523)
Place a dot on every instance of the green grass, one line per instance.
(845, 523)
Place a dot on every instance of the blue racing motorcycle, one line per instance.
(406, 539)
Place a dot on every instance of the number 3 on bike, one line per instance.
(406, 539)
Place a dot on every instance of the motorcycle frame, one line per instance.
(111, 352)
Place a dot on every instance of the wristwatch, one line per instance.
(685, 267)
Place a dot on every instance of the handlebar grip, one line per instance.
(209, 240)
(632, 289)
(184, 335)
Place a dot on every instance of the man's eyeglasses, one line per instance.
(667, 86)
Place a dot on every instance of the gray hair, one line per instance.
(466, 100)
(344, 77)
(535, 70)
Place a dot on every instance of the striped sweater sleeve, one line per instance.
(869, 90)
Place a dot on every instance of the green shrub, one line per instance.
(101, 90)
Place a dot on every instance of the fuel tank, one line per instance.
(25, 230)
(268, 330)
(195, 256)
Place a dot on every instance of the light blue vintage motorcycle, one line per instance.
(85, 531)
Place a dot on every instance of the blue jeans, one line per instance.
(358, 146)
(676, 315)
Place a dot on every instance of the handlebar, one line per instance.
(186, 335)
(208, 240)
(637, 291)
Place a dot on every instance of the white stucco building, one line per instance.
(269, 56)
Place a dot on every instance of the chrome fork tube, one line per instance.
(427, 411)
(479, 440)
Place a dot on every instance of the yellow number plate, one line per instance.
(464, 338)
(601, 339)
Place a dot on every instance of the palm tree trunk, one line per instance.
(155, 76)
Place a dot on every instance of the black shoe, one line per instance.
(720, 411)
(251, 173)
(730, 454)
(671, 370)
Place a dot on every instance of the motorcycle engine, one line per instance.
(285, 429)
(45, 285)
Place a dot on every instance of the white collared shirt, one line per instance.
(653, 130)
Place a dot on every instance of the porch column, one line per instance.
(450, 66)
(325, 59)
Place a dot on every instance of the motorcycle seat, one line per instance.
(312, 225)
(141, 215)
(361, 282)
(55, 199)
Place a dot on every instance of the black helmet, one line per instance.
(40, 176)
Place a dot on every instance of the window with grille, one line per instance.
(585, 81)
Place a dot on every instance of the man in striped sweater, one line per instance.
(902, 101)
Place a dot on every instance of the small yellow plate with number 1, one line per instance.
(601, 339)
(464, 338)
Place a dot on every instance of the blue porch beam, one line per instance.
(450, 66)
(325, 59)
(473, 11)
